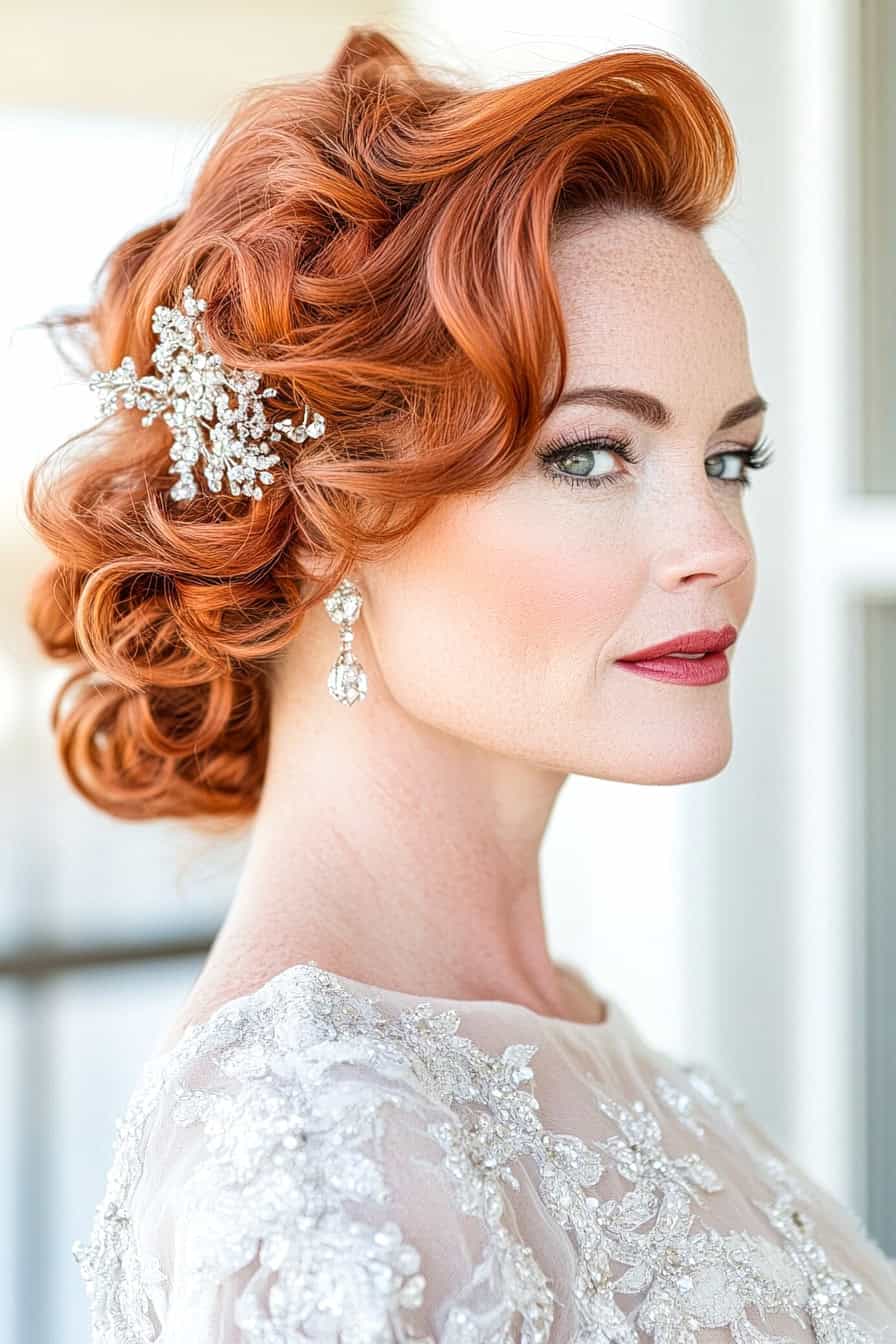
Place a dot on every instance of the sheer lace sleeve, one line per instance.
(287, 1180)
(294, 1204)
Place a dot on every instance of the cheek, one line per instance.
(527, 581)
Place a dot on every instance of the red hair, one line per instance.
(375, 241)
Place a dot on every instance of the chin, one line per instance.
(675, 764)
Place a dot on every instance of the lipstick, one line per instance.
(701, 659)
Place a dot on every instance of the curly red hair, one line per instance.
(375, 241)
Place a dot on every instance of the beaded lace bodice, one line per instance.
(317, 1162)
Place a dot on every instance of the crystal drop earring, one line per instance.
(348, 680)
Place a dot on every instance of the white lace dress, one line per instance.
(325, 1160)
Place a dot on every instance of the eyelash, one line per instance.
(754, 459)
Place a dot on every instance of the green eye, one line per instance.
(581, 453)
(752, 459)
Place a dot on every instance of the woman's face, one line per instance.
(502, 618)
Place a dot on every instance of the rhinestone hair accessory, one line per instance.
(194, 395)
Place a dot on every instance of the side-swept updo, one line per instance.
(374, 241)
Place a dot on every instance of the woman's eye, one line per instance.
(734, 473)
(580, 463)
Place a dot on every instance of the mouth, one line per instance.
(696, 669)
(693, 645)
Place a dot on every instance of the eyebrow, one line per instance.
(651, 410)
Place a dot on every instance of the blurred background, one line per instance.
(747, 919)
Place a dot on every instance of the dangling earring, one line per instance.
(348, 680)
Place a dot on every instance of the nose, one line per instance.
(708, 544)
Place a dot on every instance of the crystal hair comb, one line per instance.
(193, 394)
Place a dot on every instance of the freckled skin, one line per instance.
(397, 841)
(528, 595)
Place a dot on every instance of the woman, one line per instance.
(516, 422)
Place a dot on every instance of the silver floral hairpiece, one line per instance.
(192, 394)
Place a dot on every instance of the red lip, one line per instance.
(694, 641)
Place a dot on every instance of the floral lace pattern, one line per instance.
(310, 1078)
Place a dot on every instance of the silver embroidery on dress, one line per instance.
(290, 1153)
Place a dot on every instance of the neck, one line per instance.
(394, 853)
